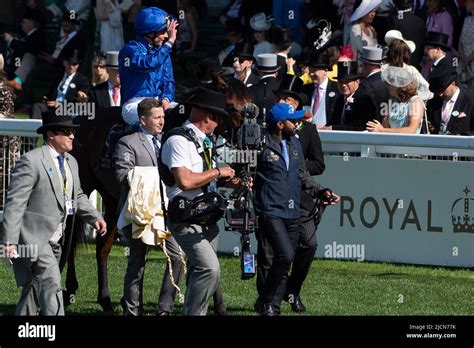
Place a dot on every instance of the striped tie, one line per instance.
(62, 169)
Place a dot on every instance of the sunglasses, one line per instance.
(99, 66)
(65, 131)
(241, 60)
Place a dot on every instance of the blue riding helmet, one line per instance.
(151, 20)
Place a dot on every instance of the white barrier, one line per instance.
(410, 210)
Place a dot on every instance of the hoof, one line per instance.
(106, 304)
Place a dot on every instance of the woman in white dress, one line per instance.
(109, 19)
(405, 109)
(362, 33)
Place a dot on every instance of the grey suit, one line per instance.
(136, 151)
(34, 208)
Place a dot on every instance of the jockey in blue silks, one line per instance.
(145, 63)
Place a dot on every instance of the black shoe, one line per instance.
(220, 310)
(268, 311)
(297, 306)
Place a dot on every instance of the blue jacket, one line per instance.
(146, 71)
(276, 189)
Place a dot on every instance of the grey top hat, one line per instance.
(267, 62)
(112, 60)
(372, 55)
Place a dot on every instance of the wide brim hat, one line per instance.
(52, 121)
(364, 8)
(437, 39)
(334, 40)
(319, 60)
(244, 50)
(372, 55)
(112, 60)
(440, 78)
(292, 85)
(393, 35)
(267, 62)
(347, 70)
(208, 100)
(260, 22)
(396, 76)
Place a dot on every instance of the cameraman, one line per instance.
(281, 173)
(194, 173)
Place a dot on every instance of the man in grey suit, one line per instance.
(44, 191)
(141, 149)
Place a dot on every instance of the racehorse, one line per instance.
(93, 148)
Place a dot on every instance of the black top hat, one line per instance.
(205, 99)
(244, 50)
(291, 85)
(207, 67)
(35, 15)
(233, 25)
(347, 70)
(437, 39)
(70, 17)
(319, 60)
(74, 59)
(281, 35)
(403, 4)
(440, 78)
(53, 121)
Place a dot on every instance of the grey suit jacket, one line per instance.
(133, 150)
(35, 205)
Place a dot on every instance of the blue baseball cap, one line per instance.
(283, 112)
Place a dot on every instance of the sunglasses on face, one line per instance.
(65, 131)
(99, 66)
(240, 60)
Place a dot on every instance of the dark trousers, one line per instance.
(304, 255)
(282, 236)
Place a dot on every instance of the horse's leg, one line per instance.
(71, 278)
(103, 248)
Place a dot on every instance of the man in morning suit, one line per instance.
(44, 191)
(451, 111)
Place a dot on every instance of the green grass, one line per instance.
(332, 288)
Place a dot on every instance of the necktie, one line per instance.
(317, 100)
(62, 169)
(446, 111)
(116, 95)
(284, 151)
(156, 145)
(343, 116)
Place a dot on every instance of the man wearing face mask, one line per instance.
(145, 63)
